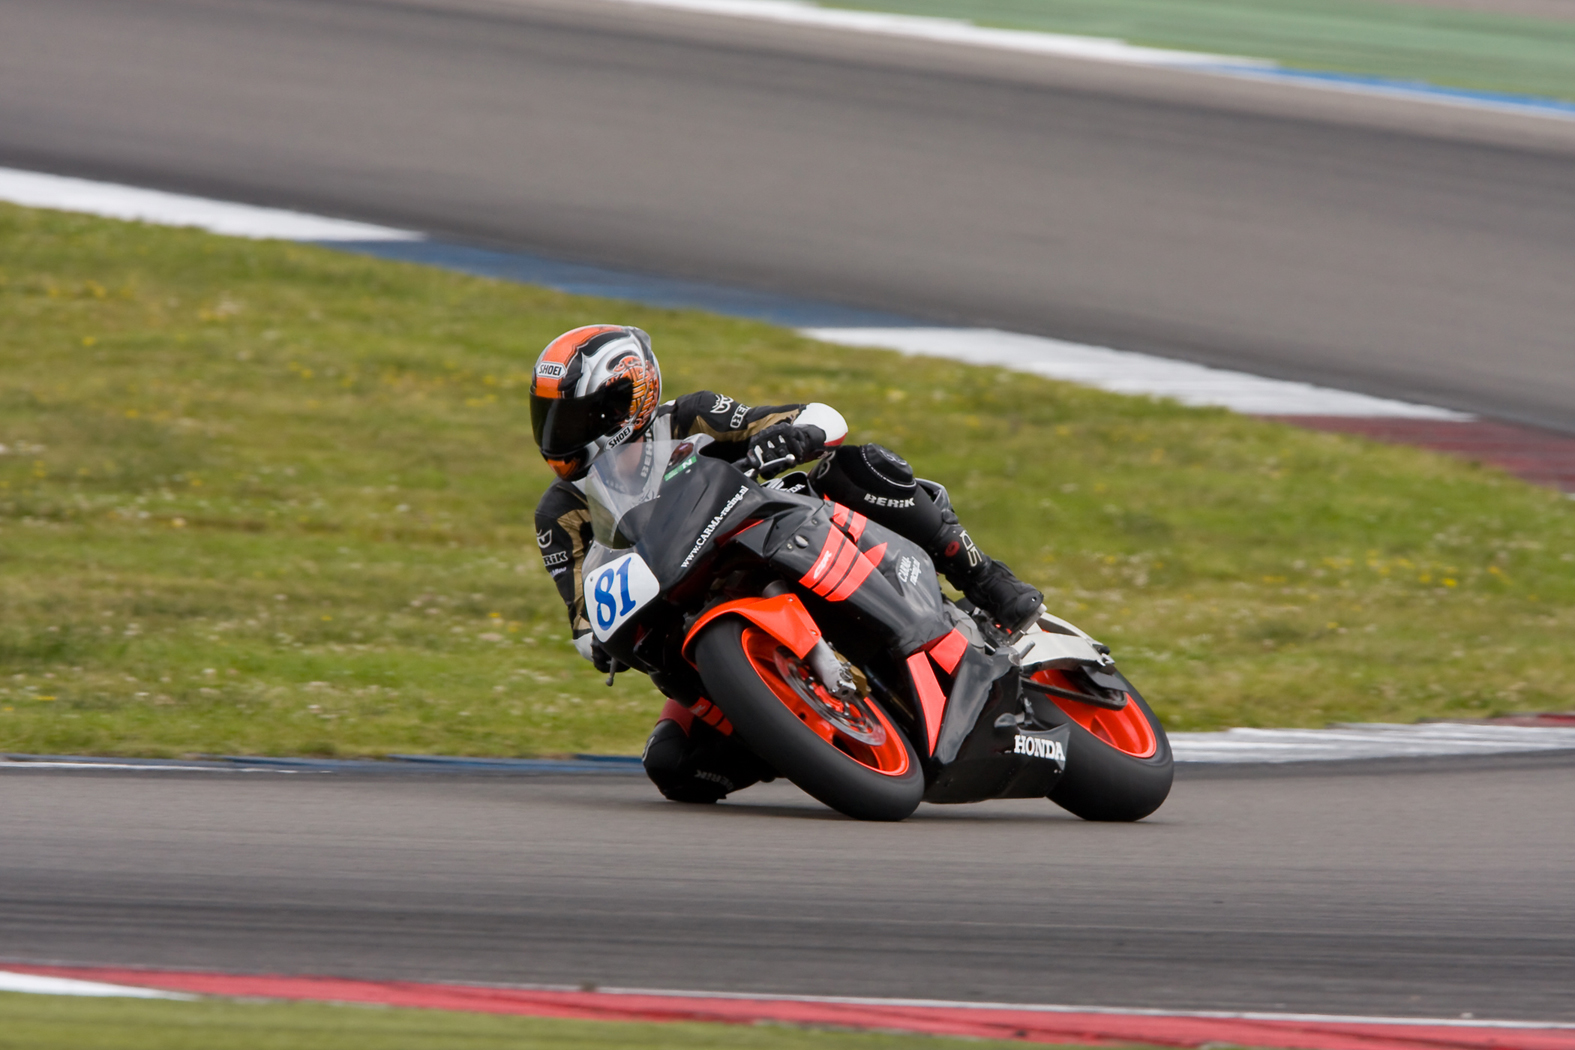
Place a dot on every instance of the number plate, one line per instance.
(616, 591)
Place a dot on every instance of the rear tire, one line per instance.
(761, 716)
(1103, 782)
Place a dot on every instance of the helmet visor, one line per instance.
(564, 426)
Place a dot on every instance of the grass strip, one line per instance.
(266, 498)
(38, 1022)
(1478, 50)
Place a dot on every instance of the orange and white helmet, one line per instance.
(593, 388)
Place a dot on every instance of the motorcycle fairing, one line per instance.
(623, 587)
(1054, 642)
(890, 582)
(952, 712)
(975, 683)
(701, 507)
(989, 752)
(886, 580)
(932, 698)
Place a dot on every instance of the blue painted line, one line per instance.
(594, 765)
(615, 765)
(666, 292)
(630, 761)
(1532, 104)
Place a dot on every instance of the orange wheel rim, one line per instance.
(857, 728)
(1126, 730)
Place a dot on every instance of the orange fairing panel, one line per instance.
(947, 651)
(783, 618)
(930, 696)
(848, 521)
(841, 567)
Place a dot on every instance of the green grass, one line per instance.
(1468, 49)
(273, 499)
(37, 1022)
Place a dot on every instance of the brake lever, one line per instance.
(756, 470)
(613, 667)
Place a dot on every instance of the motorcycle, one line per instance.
(824, 641)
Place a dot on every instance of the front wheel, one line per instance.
(1118, 766)
(848, 755)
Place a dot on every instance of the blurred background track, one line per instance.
(1406, 250)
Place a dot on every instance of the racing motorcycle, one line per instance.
(824, 641)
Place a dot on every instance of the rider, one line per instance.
(596, 387)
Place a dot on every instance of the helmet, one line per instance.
(593, 388)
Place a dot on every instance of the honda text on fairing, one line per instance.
(822, 644)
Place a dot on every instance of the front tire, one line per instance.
(1119, 766)
(851, 757)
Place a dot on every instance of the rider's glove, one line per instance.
(781, 440)
(588, 647)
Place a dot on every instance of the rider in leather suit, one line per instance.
(597, 386)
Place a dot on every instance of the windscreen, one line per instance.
(629, 476)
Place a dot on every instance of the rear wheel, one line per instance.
(848, 755)
(1119, 765)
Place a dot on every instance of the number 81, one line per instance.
(607, 609)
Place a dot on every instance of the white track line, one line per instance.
(1052, 1008)
(1124, 372)
(114, 201)
(18, 982)
(959, 31)
(140, 767)
(1368, 740)
(33, 984)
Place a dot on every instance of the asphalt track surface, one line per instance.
(1419, 894)
(1401, 249)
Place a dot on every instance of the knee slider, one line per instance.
(665, 751)
(669, 762)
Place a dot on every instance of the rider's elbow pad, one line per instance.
(582, 645)
(826, 418)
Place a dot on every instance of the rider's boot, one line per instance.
(984, 581)
(691, 760)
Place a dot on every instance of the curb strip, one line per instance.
(1046, 1024)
